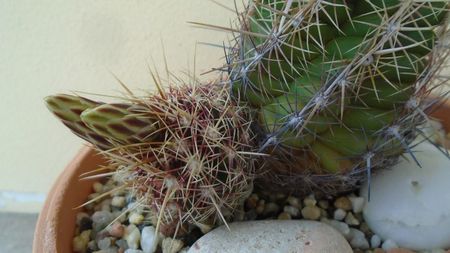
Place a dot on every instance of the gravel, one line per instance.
(106, 225)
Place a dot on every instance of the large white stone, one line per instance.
(411, 205)
(272, 236)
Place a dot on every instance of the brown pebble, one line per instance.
(378, 250)
(343, 203)
(284, 216)
(116, 230)
(261, 206)
(252, 201)
(121, 250)
(400, 250)
(311, 212)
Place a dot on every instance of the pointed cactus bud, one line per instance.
(121, 123)
(68, 109)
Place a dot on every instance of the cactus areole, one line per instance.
(339, 87)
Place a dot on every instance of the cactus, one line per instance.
(339, 87)
(183, 153)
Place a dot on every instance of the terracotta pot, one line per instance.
(56, 224)
(55, 227)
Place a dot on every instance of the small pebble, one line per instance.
(261, 206)
(122, 244)
(310, 201)
(92, 245)
(351, 220)
(293, 211)
(339, 214)
(132, 236)
(136, 218)
(80, 216)
(78, 244)
(389, 244)
(271, 209)
(324, 204)
(205, 228)
(116, 230)
(357, 204)
(104, 243)
(105, 205)
(85, 224)
(341, 227)
(149, 239)
(375, 241)
(170, 245)
(358, 239)
(98, 187)
(101, 219)
(252, 201)
(311, 212)
(378, 250)
(118, 201)
(343, 203)
(284, 216)
(295, 202)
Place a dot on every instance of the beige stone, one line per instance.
(272, 236)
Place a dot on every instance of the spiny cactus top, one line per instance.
(338, 86)
(184, 153)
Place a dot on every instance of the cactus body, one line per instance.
(185, 153)
(332, 79)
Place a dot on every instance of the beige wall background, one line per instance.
(50, 46)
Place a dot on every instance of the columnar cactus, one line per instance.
(339, 87)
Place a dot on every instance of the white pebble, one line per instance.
(98, 187)
(341, 227)
(357, 204)
(293, 211)
(170, 245)
(204, 228)
(104, 243)
(389, 244)
(351, 220)
(136, 218)
(101, 219)
(358, 240)
(339, 214)
(149, 239)
(132, 236)
(375, 241)
(118, 201)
